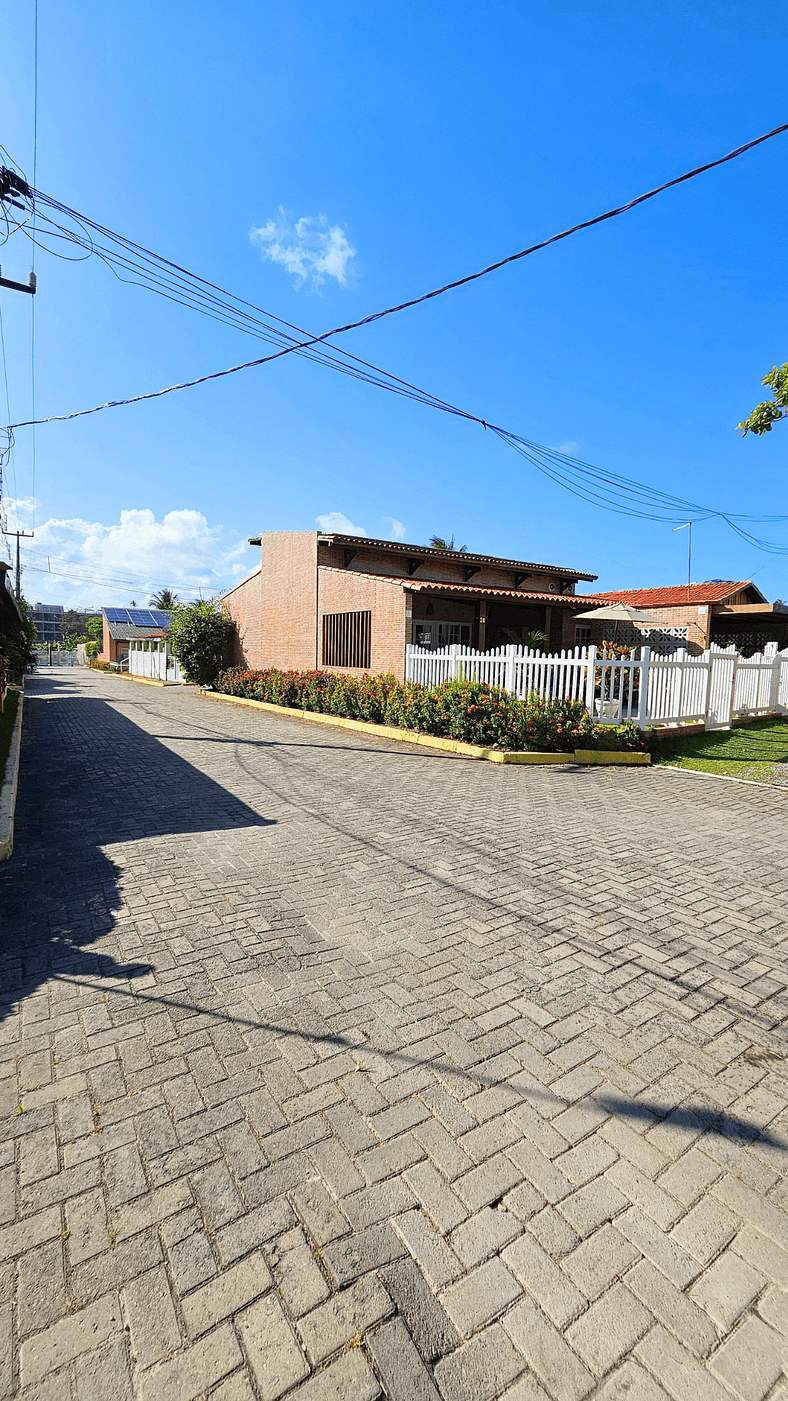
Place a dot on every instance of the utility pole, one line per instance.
(12, 184)
(20, 535)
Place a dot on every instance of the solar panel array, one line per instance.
(138, 617)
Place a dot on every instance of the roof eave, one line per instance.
(328, 537)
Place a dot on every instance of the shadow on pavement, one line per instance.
(89, 778)
(697, 1120)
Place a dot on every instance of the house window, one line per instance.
(347, 639)
(582, 634)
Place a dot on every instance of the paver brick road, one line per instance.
(333, 1067)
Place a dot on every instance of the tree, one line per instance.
(200, 636)
(437, 542)
(16, 647)
(771, 410)
(166, 599)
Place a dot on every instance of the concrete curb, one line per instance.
(146, 680)
(611, 756)
(452, 746)
(10, 784)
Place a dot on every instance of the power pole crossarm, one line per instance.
(29, 286)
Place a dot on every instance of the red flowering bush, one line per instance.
(466, 710)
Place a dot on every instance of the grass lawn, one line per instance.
(7, 728)
(756, 751)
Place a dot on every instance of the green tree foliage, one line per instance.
(437, 542)
(16, 647)
(201, 636)
(771, 410)
(165, 599)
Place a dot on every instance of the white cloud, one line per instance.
(396, 527)
(334, 523)
(309, 248)
(568, 449)
(86, 564)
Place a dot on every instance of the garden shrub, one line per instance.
(470, 711)
(200, 635)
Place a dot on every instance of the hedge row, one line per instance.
(466, 710)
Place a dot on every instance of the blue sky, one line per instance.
(431, 140)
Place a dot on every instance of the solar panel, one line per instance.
(138, 617)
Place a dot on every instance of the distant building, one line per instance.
(48, 619)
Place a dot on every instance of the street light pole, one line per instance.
(688, 528)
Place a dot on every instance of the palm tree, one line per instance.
(165, 599)
(437, 542)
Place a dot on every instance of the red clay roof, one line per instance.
(436, 586)
(714, 591)
(522, 595)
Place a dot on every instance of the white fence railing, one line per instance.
(154, 660)
(648, 689)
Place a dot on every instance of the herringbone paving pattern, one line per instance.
(334, 1068)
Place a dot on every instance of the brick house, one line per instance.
(120, 626)
(349, 603)
(721, 611)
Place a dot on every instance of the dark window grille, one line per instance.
(347, 639)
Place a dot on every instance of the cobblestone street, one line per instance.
(337, 1068)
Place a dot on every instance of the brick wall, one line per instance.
(243, 605)
(695, 616)
(341, 591)
(275, 610)
(288, 599)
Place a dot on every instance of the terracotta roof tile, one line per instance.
(714, 591)
(522, 595)
(479, 591)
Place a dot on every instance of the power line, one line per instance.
(438, 291)
(595, 486)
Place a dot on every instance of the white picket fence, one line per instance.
(649, 689)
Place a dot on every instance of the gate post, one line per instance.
(590, 679)
(509, 680)
(645, 659)
(774, 679)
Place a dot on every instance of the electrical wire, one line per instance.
(132, 262)
(99, 581)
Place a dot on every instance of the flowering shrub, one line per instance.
(466, 710)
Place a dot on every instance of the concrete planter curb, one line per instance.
(146, 680)
(10, 784)
(611, 756)
(452, 746)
